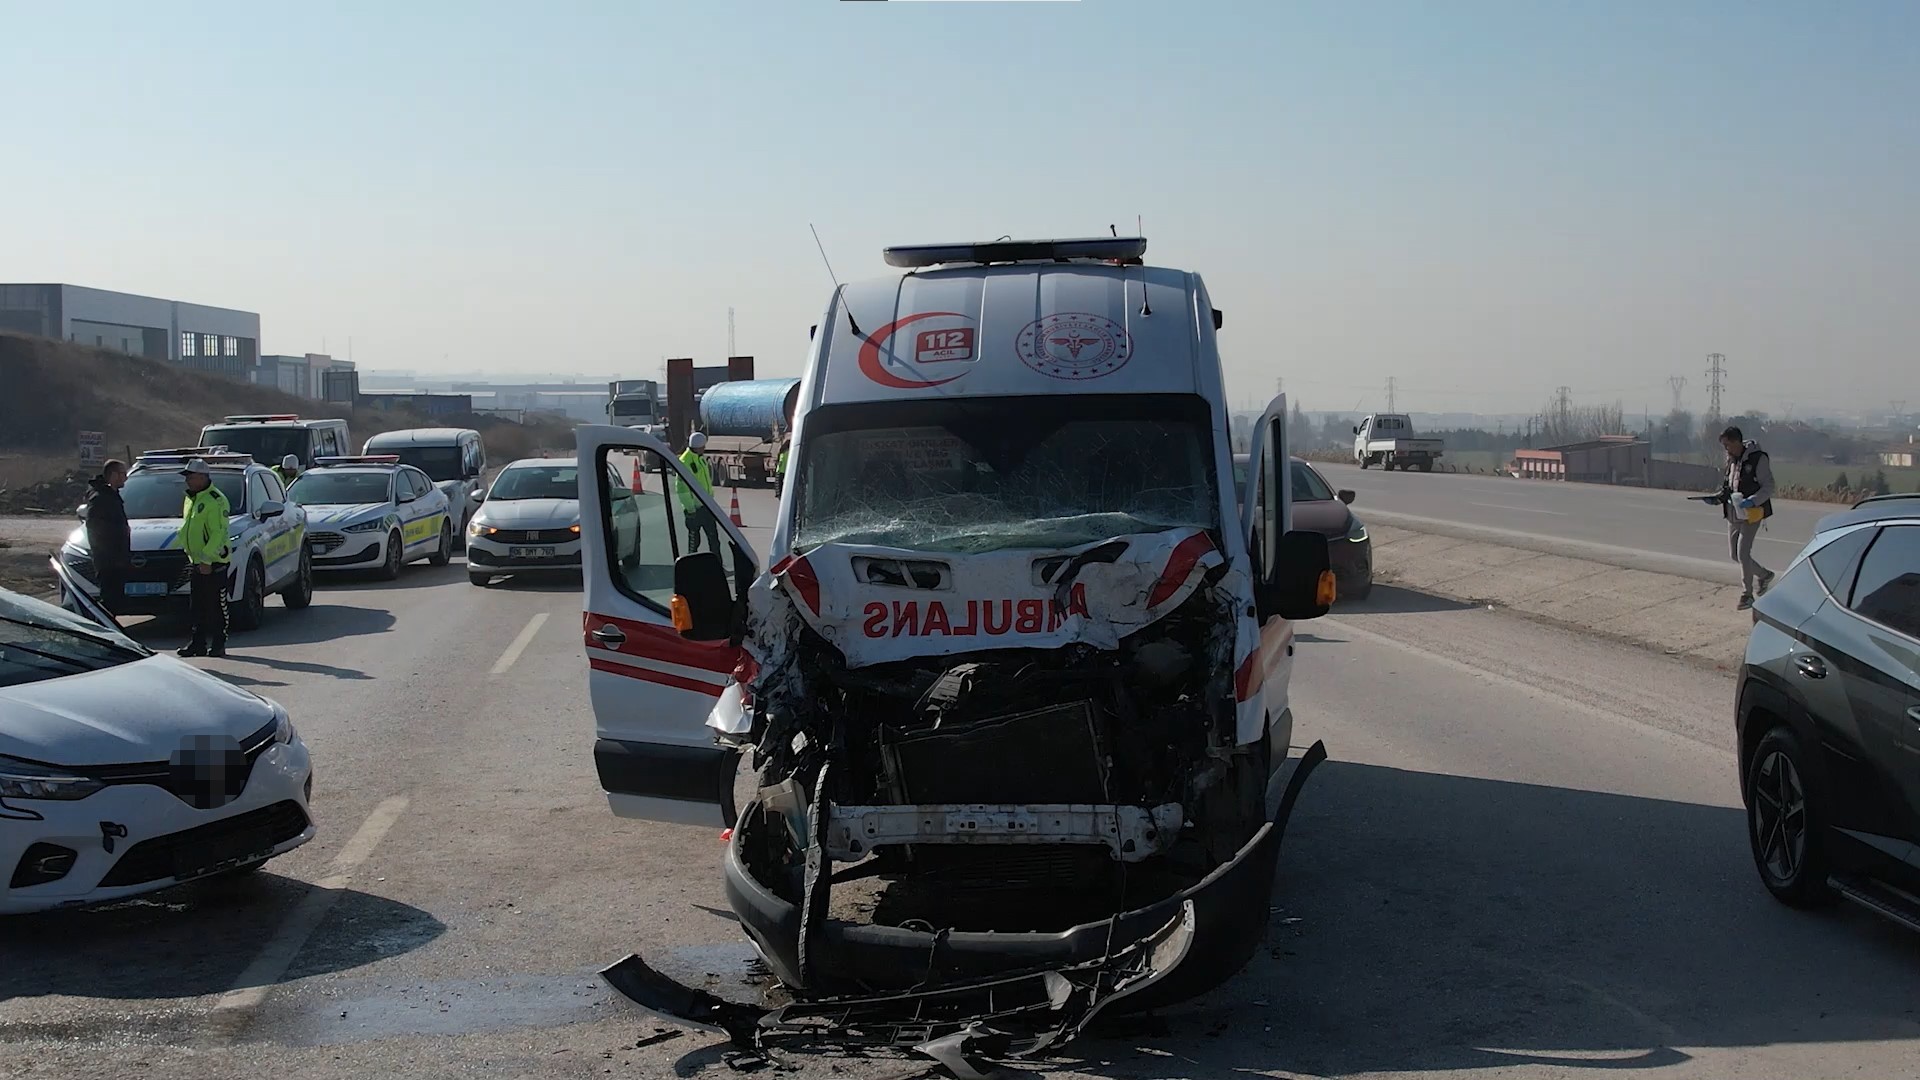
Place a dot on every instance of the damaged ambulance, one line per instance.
(998, 723)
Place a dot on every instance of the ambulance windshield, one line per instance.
(985, 474)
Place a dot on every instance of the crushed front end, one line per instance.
(996, 793)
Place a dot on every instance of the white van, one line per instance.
(453, 458)
(1013, 648)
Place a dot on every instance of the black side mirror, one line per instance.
(269, 510)
(1345, 495)
(1356, 431)
(1300, 584)
(700, 582)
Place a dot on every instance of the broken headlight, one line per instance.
(29, 780)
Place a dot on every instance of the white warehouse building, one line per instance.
(213, 339)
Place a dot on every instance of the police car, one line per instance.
(372, 513)
(266, 535)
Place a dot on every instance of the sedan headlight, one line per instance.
(480, 528)
(283, 725)
(26, 780)
(1356, 532)
(366, 526)
(574, 528)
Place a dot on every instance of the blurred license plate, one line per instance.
(530, 553)
(146, 588)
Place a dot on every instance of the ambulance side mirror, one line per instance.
(702, 599)
(1300, 584)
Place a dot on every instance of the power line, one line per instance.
(1678, 383)
(1716, 382)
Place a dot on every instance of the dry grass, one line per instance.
(55, 389)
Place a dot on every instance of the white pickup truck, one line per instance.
(1387, 439)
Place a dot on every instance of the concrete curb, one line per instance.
(1685, 615)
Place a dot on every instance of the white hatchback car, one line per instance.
(530, 520)
(123, 771)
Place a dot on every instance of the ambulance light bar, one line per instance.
(1116, 249)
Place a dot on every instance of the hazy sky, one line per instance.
(1485, 200)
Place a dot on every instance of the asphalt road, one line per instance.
(1661, 523)
(1524, 859)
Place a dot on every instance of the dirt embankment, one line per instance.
(51, 390)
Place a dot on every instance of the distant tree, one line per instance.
(1336, 430)
(1879, 485)
(1840, 484)
(1299, 428)
(1578, 423)
(1676, 435)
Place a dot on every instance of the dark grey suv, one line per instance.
(1829, 716)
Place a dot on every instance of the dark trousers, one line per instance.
(700, 521)
(209, 606)
(113, 589)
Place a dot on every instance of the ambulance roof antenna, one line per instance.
(851, 325)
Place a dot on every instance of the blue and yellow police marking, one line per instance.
(421, 530)
(286, 544)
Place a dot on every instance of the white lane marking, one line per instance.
(1722, 533)
(519, 644)
(1671, 738)
(251, 988)
(1525, 509)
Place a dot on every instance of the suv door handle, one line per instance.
(610, 635)
(1811, 666)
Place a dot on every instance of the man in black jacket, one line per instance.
(109, 537)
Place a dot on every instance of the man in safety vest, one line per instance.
(203, 534)
(699, 518)
(288, 470)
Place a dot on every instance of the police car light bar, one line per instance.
(358, 459)
(211, 455)
(261, 418)
(1120, 249)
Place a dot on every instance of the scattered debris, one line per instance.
(659, 1035)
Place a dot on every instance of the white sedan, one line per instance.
(123, 771)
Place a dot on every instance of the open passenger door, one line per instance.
(1269, 472)
(664, 616)
(1291, 575)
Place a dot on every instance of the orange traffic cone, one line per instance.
(638, 485)
(734, 510)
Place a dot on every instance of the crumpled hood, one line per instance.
(529, 513)
(879, 604)
(135, 712)
(334, 515)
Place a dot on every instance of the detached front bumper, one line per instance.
(942, 989)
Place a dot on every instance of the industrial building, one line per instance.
(205, 338)
(1611, 459)
(303, 376)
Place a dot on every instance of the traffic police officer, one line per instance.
(287, 470)
(699, 519)
(203, 534)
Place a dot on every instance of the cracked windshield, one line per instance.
(1095, 540)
